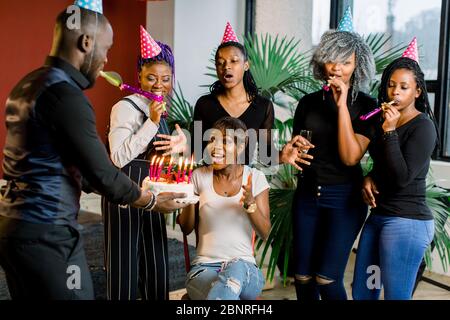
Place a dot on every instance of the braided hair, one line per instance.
(248, 80)
(165, 56)
(422, 103)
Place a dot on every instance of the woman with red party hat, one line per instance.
(136, 255)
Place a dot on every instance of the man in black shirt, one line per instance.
(52, 152)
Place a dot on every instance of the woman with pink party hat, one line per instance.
(401, 226)
(136, 255)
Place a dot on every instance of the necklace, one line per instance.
(231, 187)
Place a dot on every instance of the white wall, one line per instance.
(199, 27)
(194, 28)
(160, 20)
(291, 18)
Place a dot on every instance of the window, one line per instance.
(429, 21)
(404, 20)
(321, 19)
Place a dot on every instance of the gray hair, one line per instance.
(337, 46)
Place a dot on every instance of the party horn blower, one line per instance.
(327, 85)
(374, 112)
(116, 80)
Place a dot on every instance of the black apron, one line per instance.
(136, 257)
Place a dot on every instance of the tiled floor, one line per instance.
(425, 291)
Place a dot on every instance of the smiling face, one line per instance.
(224, 148)
(230, 66)
(343, 70)
(156, 77)
(402, 87)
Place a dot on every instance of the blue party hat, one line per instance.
(93, 5)
(346, 23)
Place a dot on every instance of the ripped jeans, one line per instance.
(233, 280)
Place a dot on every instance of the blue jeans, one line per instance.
(326, 222)
(390, 251)
(235, 280)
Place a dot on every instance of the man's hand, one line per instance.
(368, 191)
(144, 199)
(165, 202)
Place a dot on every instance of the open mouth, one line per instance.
(218, 157)
(228, 77)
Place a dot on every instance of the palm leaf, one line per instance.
(383, 54)
(438, 200)
(280, 238)
(180, 110)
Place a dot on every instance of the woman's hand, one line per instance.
(391, 116)
(247, 195)
(368, 192)
(295, 151)
(156, 109)
(172, 144)
(340, 91)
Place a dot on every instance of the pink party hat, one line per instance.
(412, 52)
(229, 34)
(149, 47)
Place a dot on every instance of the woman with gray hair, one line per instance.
(328, 210)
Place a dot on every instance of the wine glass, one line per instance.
(307, 134)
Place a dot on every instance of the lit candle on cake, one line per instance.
(169, 169)
(180, 164)
(160, 167)
(186, 162)
(190, 169)
(150, 171)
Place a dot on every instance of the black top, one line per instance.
(401, 164)
(318, 112)
(52, 148)
(259, 115)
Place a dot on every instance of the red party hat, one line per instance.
(229, 34)
(412, 52)
(149, 47)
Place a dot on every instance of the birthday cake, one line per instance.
(171, 179)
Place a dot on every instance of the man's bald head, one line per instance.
(82, 37)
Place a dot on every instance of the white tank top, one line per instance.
(224, 230)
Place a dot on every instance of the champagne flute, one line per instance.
(307, 134)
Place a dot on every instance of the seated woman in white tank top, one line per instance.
(234, 202)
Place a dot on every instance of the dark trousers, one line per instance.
(44, 261)
(326, 222)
